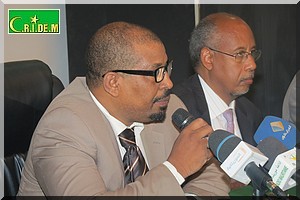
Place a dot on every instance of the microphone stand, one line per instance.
(257, 194)
(262, 182)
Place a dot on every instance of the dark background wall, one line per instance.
(274, 27)
(172, 23)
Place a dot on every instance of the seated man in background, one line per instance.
(223, 53)
(289, 107)
(84, 142)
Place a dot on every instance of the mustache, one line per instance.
(165, 95)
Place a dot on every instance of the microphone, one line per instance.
(241, 160)
(278, 128)
(234, 154)
(238, 158)
(283, 169)
(182, 118)
(281, 164)
(271, 147)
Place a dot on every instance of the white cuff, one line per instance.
(174, 171)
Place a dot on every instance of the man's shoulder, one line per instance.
(245, 101)
(248, 106)
(76, 93)
(189, 90)
(185, 87)
(175, 102)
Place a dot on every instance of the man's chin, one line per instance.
(158, 117)
(241, 92)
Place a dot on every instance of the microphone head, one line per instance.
(222, 143)
(271, 147)
(281, 129)
(182, 118)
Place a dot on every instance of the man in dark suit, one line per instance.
(223, 53)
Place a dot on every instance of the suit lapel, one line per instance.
(112, 168)
(245, 124)
(114, 164)
(201, 108)
(154, 147)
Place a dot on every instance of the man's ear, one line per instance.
(207, 58)
(111, 83)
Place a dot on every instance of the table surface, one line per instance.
(248, 190)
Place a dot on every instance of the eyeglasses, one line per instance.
(241, 56)
(159, 73)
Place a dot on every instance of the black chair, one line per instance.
(29, 87)
(13, 166)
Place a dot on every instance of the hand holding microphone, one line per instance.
(193, 138)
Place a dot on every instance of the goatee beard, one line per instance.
(161, 116)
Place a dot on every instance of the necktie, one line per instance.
(228, 114)
(133, 160)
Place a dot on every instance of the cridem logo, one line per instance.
(33, 21)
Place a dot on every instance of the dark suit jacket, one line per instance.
(192, 94)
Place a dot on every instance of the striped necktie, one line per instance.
(133, 160)
(228, 114)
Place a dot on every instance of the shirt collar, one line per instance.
(215, 104)
(116, 125)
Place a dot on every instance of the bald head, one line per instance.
(211, 31)
(113, 47)
(221, 16)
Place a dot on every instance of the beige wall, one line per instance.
(50, 48)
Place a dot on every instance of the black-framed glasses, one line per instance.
(159, 73)
(241, 56)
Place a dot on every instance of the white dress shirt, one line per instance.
(216, 107)
(118, 127)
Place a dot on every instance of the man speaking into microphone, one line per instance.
(110, 133)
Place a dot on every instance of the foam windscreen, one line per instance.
(222, 143)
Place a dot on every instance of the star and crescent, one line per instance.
(11, 23)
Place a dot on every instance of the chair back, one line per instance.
(29, 87)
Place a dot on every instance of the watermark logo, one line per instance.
(38, 21)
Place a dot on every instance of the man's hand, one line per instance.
(190, 152)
